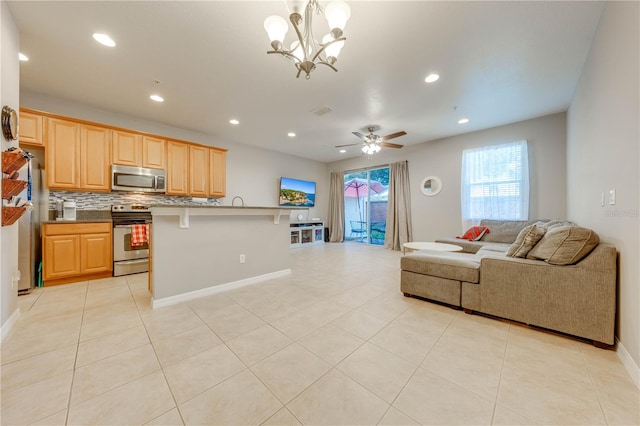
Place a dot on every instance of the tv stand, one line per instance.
(306, 233)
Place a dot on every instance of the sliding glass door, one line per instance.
(365, 205)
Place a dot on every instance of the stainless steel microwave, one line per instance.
(138, 179)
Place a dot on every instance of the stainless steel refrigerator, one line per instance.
(29, 241)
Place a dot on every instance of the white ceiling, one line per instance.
(499, 62)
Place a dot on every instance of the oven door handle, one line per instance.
(122, 226)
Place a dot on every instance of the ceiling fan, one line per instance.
(372, 143)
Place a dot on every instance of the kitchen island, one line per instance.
(202, 250)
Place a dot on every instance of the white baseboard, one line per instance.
(172, 300)
(9, 324)
(628, 362)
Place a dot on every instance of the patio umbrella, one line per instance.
(357, 187)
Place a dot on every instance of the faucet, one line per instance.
(234, 199)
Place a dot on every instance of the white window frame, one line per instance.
(495, 183)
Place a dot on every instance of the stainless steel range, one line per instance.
(129, 259)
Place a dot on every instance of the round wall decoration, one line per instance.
(9, 123)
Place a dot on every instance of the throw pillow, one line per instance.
(474, 233)
(564, 245)
(526, 240)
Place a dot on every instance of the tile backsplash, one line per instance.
(104, 200)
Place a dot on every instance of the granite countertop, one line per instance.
(83, 216)
(78, 221)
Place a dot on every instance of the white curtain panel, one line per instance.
(495, 183)
(335, 222)
(399, 207)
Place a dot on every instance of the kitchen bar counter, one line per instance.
(199, 251)
(186, 211)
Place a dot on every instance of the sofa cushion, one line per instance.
(474, 233)
(450, 265)
(564, 245)
(527, 239)
(503, 231)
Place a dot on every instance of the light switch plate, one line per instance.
(602, 200)
(612, 196)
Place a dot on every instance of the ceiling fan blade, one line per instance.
(394, 135)
(351, 144)
(390, 145)
(358, 134)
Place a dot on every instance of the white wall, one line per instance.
(440, 216)
(9, 95)
(603, 154)
(252, 173)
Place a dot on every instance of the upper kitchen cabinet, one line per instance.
(126, 148)
(217, 173)
(31, 128)
(198, 171)
(133, 149)
(63, 154)
(177, 168)
(95, 158)
(153, 152)
(78, 156)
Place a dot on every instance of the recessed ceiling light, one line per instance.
(342, 151)
(234, 121)
(156, 98)
(23, 57)
(104, 39)
(431, 78)
(291, 135)
(463, 121)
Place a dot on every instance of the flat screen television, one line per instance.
(297, 193)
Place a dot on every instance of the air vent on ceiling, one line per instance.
(322, 111)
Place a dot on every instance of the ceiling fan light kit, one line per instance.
(306, 52)
(374, 143)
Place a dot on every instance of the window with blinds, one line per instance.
(495, 183)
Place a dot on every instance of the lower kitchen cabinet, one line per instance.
(76, 252)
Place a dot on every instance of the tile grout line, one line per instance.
(595, 387)
(504, 360)
(419, 364)
(75, 361)
(164, 376)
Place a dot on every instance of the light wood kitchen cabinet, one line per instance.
(77, 156)
(177, 168)
(63, 154)
(198, 171)
(95, 158)
(126, 148)
(136, 150)
(76, 252)
(31, 128)
(153, 153)
(217, 173)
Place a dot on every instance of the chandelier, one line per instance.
(306, 52)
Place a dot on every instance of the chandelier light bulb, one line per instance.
(276, 27)
(297, 50)
(334, 48)
(337, 14)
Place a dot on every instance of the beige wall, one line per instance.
(9, 95)
(440, 216)
(603, 154)
(252, 173)
(207, 253)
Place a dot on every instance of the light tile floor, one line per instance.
(333, 343)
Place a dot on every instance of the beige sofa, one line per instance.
(578, 299)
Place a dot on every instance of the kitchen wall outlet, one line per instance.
(602, 200)
(612, 196)
(242, 259)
